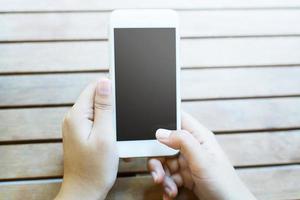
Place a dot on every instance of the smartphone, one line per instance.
(145, 73)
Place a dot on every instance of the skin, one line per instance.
(91, 159)
(89, 143)
(201, 165)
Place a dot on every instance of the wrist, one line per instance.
(223, 187)
(78, 190)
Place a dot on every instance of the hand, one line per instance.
(89, 143)
(201, 166)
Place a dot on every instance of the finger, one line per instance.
(185, 172)
(167, 171)
(166, 197)
(169, 184)
(85, 102)
(170, 187)
(180, 140)
(80, 116)
(103, 115)
(172, 164)
(182, 162)
(156, 169)
(188, 181)
(177, 179)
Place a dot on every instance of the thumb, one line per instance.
(103, 118)
(180, 140)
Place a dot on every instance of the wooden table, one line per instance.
(240, 78)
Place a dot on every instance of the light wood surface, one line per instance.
(92, 55)
(218, 115)
(266, 183)
(219, 83)
(271, 148)
(240, 78)
(94, 5)
(74, 26)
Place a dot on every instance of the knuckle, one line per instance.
(180, 136)
(65, 124)
(103, 106)
(68, 119)
(184, 137)
(185, 133)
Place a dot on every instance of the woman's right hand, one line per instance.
(201, 165)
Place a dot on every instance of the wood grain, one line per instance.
(46, 160)
(195, 85)
(96, 5)
(45, 37)
(93, 55)
(266, 183)
(243, 115)
(219, 116)
(206, 23)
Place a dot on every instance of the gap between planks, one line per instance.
(231, 132)
(184, 37)
(265, 183)
(87, 71)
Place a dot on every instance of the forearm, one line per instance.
(225, 188)
(237, 191)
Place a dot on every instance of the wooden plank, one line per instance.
(44, 89)
(75, 5)
(266, 148)
(219, 116)
(37, 123)
(44, 160)
(195, 84)
(246, 115)
(212, 23)
(268, 183)
(273, 182)
(239, 82)
(31, 57)
(93, 55)
(23, 160)
(241, 51)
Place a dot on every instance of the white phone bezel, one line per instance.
(144, 18)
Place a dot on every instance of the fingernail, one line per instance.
(104, 87)
(168, 191)
(162, 133)
(154, 175)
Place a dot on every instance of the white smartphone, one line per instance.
(145, 73)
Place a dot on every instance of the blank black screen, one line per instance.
(145, 81)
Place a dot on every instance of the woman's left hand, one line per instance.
(89, 143)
